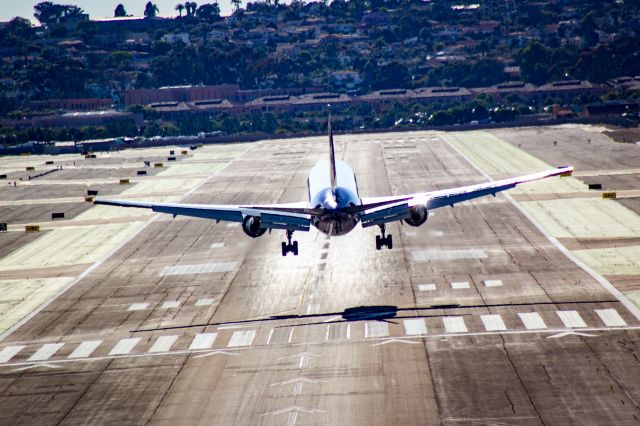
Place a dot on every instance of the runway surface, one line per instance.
(477, 317)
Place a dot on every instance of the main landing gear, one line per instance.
(290, 247)
(384, 240)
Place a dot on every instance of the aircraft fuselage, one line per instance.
(335, 221)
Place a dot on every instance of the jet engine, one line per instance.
(417, 215)
(251, 226)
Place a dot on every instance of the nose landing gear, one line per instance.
(290, 247)
(384, 240)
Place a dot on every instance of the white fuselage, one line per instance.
(334, 200)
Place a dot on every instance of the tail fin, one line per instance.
(332, 157)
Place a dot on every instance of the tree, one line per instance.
(180, 8)
(209, 12)
(236, 4)
(151, 10)
(191, 8)
(120, 11)
(48, 13)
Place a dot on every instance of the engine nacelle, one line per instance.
(417, 215)
(251, 226)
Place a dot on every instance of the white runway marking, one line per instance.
(204, 302)
(376, 329)
(611, 317)
(532, 321)
(493, 283)
(493, 322)
(124, 346)
(241, 338)
(46, 352)
(138, 306)
(203, 341)
(571, 319)
(85, 349)
(9, 352)
(163, 344)
(454, 325)
(414, 327)
(171, 304)
(426, 287)
(428, 255)
(601, 280)
(217, 245)
(460, 285)
(204, 268)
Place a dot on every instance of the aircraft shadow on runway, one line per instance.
(384, 313)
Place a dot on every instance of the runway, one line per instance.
(477, 317)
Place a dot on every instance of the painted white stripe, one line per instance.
(203, 341)
(635, 310)
(460, 284)
(9, 352)
(170, 304)
(571, 319)
(376, 329)
(493, 322)
(493, 283)
(138, 306)
(242, 338)
(163, 344)
(611, 317)
(124, 346)
(205, 268)
(532, 320)
(46, 352)
(414, 327)
(204, 302)
(454, 325)
(85, 349)
(217, 245)
(432, 254)
(426, 287)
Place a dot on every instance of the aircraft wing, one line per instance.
(294, 216)
(396, 208)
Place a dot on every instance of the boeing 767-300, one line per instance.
(335, 207)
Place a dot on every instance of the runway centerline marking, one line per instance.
(460, 285)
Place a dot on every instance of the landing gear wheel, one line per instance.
(290, 247)
(384, 240)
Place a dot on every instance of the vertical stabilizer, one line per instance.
(332, 157)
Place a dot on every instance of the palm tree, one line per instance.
(180, 7)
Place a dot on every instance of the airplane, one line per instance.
(335, 207)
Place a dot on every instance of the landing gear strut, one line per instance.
(290, 247)
(384, 240)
